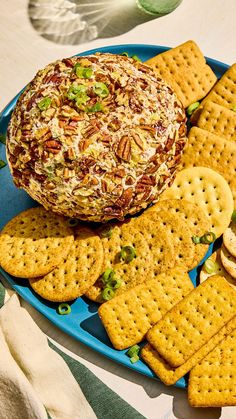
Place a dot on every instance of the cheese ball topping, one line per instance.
(96, 137)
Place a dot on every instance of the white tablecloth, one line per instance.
(211, 23)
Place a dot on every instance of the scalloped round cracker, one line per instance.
(131, 273)
(34, 242)
(193, 215)
(229, 239)
(228, 261)
(76, 273)
(220, 270)
(209, 190)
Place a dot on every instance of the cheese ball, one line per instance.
(96, 137)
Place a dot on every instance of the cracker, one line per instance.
(131, 273)
(186, 71)
(223, 93)
(229, 238)
(194, 217)
(76, 273)
(212, 383)
(128, 317)
(34, 242)
(193, 321)
(163, 222)
(208, 150)
(215, 257)
(218, 120)
(170, 375)
(228, 261)
(209, 190)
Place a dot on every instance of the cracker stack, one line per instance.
(191, 329)
(218, 120)
(223, 93)
(213, 381)
(128, 317)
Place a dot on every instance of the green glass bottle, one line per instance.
(158, 7)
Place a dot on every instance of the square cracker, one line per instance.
(185, 70)
(209, 150)
(218, 120)
(223, 93)
(129, 316)
(170, 375)
(193, 321)
(212, 383)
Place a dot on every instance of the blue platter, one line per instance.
(83, 322)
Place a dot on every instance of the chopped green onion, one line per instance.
(63, 308)
(133, 350)
(83, 72)
(2, 164)
(233, 108)
(3, 138)
(44, 103)
(134, 359)
(125, 54)
(133, 353)
(95, 108)
(192, 108)
(108, 275)
(101, 89)
(72, 222)
(196, 239)
(81, 99)
(211, 266)
(76, 89)
(114, 283)
(108, 293)
(136, 58)
(233, 217)
(127, 253)
(105, 231)
(208, 238)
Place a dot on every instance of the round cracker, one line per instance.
(34, 242)
(194, 216)
(228, 261)
(76, 273)
(132, 273)
(209, 190)
(220, 270)
(229, 239)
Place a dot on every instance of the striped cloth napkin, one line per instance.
(39, 381)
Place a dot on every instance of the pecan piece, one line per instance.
(114, 124)
(83, 145)
(68, 62)
(168, 144)
(152, 130)
(125, 199)
(124, 148)
(138, 141)
(182, 130)
(135, 105)
(90, 131)
(52, 146)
